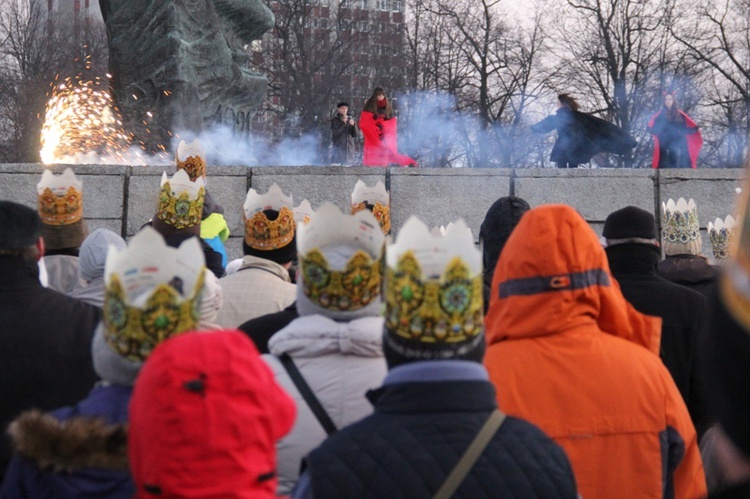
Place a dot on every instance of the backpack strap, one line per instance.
(304, 389)
(472, 453)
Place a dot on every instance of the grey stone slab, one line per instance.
(113, 224)
(103, 195)
(594, 197)
(715, 198)
(316, 184)
(143, 199)
(229, 192)
(440, 199)
(233, 246)
(702, 173)
(584, 172)
(19, 188)
(78, 169)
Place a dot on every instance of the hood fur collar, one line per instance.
(70, 445)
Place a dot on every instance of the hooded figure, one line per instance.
(569, 354)
(204, 419)
(91, 260)
(380, 131)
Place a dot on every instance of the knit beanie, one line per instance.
(341, 265)
(433, 296)
(93, 253)
(499, 222)
(205, 416)
(20, 226)
(680, 228)
(153, 292)
(630, 225)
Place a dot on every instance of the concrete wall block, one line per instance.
(20, 188)
(143, 200)
(113, 224)
(229, 193)
(438, 198)
(316, 184)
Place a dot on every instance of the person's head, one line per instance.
(343, 108)
(61, 210)
(93, 254)
(270, 229)
(374, 199)
(340, 265)
(153, 292)
(180, 208)
(668, 101)
(567, 102)
(379, 93)
(680, 228)
(204, 419)
(20, 232)
(379, 103)
(434, 304)
(631, 225)
(499, 222)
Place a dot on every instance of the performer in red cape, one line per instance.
(379, 128)
(677, 138)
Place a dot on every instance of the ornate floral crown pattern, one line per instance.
(181, 200)
(60, 198)
(680, 221)
(374, 199)
(433, 291)
(190, 157)
(720, 234)
(345, 286)
(152, 292)
(262, 233)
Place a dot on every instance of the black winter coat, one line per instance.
(692, 271)
(45, 340)
(580, 136)
(683, 312)
(261, 329)
(342, 140)
(418, 433)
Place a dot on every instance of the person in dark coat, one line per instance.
(633, 253)
(499, 222)
(580, 135)
(677, 138)
(432, 404)
(681, 239)
(343, 133)
(45, 336)
(262, 328)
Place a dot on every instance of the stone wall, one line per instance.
(122, 198)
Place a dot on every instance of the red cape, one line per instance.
(694, 141)
(381, 151)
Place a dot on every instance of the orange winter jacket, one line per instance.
(566, 352)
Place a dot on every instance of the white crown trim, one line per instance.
(274, 199)
(330, 227)
(59, 184)
(180, 182)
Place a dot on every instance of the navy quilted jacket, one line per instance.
(418, 433)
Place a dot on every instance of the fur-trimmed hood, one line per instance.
(77, 443)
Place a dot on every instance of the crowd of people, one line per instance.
(336, 359)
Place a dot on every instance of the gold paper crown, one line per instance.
(341, 286)
(378, 198)
(433, 291)
(262, 233)
(303, 213)
(152, 292)
(60, 198)
(181, 200)
(680, 221)
(720, 234)
(191, 158)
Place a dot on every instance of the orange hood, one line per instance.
(552, 276)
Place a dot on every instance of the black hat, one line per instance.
(20, 226)
(501, 219)
(630, 222)
(342, 104)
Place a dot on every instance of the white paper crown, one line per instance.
(720, 234)
(680, 221)
(376, 196)
(341, 259)
(153, 292)
(191, 157)
(181, 200)
(262, 233)
(303, 213)
(434, 284)
(60, 198)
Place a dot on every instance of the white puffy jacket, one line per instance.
(340, 361)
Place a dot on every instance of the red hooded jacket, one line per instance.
(569, 354)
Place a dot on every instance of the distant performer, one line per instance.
(379, 128)
(580, 135)
(343, 133)
(677, 138)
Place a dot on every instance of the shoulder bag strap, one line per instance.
(304, 389)
(475, 449)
